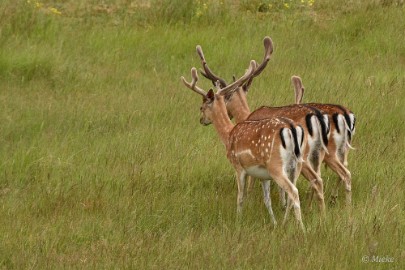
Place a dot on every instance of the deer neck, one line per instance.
(221, 121)
(238, 106)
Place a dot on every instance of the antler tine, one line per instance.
(268, 50)
(192, 85)
(298, 88)
(248, 74)
(207, 73)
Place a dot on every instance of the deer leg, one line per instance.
(287, 210)
(315, 159)
(293, 197)
(283, 201)
(344, 176)
(250, 183)
(267, 199)
(241, 179)
(316, 185)
(335, 190)
(317, 166)
(343, 157)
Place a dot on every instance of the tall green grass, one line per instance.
(104, 163)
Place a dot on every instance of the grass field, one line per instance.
(103, 161)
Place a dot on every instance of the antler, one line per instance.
(207, 73)
(298, 89)
(248, 74)
(268, 50)
(193, 85)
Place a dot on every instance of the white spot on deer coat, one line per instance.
(244, 152)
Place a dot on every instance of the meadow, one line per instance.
(103, 161)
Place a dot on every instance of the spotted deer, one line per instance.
(315, 124)
(266, 149)
(342, 128)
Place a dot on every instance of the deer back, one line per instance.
(334, 110)
(299, 113)
(257, 142)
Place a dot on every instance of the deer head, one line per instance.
(214, 102)
(236, 105)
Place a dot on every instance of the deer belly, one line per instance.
(258, 172)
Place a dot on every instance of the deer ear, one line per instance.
(228, 97)
(245, 89)
(211, 95)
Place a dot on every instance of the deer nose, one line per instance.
(204, 122)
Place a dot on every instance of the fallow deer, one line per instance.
(266, 149)
(342, 128)
(314, 123)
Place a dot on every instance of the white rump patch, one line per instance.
(288, 157)
(287, 136)
(326, 119)
(352, 128)
(288, 152)
(315, 127)
(300, 135)
(339, 138)
(314, 141)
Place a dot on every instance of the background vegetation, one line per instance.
(103, 163)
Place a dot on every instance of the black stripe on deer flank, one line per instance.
(296, 146)
(282, 138)
(335, 120)
(309, 124)
(324, 128)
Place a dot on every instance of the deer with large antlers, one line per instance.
(342, 128)
(266, 149)
(315, 124)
